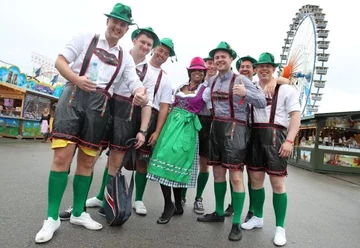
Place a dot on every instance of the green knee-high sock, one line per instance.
(91, 179)
(108, 178)
(56, 188)
(280, 205)
(258, 199)
(81, 185)
(231, 191)
(140, 184)
(183, 193)
(220, 191)
(251, 203)
(104, 181)
(202, 181)
(238, 201)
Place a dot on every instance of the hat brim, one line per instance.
(197, 68)
(154, 36)
(172, 52)
(267, 63)
(212, 52)
(120, 18)
(207, 59)
(247, 58)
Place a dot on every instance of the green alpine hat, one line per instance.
(245, 58)
(207, 58)
(266, 58)
(223, 46)
(168, 43)
(149, 30)
(121, 12)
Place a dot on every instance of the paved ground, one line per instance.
(323, 211)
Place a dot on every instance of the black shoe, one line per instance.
(166, 216)
(179, 210)
(102, 212)
(235, 233)
(214, 217)
(66, 214)
(229, 211)
(248, 216)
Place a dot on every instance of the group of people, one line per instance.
(218, 118)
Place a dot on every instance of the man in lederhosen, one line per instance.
(245, 66)
(160, 109)
(82, 113)
(134, 117)
(272, 140)
(229, 133)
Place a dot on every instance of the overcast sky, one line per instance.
(196, 27)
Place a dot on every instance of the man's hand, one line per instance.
(85, 84)
(285, 149)
(140, 140)
(239, 89)
(153, 138)
(141, 99)
(270, 88)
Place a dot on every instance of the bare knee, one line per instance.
(278, 184)
(204, 168)
(219, 174)
(62, 158)
(257, 179)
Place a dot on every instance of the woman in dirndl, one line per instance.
(44, 123)
(175, 160)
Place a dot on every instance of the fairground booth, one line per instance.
(22, 101)
(329, 143)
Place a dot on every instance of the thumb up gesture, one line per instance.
(140, 97)
(239, 89)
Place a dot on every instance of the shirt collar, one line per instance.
(226, 76)
(103, 37)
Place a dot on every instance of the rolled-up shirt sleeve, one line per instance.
(75, 46)
(254, 95)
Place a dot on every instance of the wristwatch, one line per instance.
(144, 132)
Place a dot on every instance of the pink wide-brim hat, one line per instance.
(197, 63)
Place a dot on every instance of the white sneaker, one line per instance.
(280, 237)
(254, 222)
(93, 202)
(47, 231)
(139, 208)
(85, 220)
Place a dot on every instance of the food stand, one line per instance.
(329, 142)
(23, 100)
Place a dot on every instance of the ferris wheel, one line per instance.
(304, 57)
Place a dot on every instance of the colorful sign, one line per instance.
(31, 129)
(14, 76)
(9, 126)
(342, 160)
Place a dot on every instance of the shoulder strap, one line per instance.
(142, 73)
(157, 85)
(120, 60)
(231, 95)
(89, 54)
(274, 104)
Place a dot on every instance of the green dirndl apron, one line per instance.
(174, 153)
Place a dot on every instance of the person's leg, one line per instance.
(258, 199)
(169, 207)
(280, 207)
(140, 184)
(56, 187)
(220, 191)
